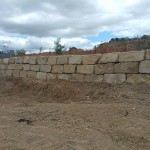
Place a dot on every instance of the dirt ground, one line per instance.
(67, 115)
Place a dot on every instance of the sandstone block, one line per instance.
(11, 60)
(131, 56)
(85, 69)
(33, 60)
(4, 73)
(23, 74)
(94, 78)
(51, 76)
(109, 58)
(144, 66)
(63, 59)
(6, 61)
(16, 73)
(45, 68)
(26, 66)
(1, 61)
(75, 59)
(91, 59)
(69, 68)
(104, 68)
(3, 67)
(42, 60)
(18, 60)
(18, 66)
(77, 77)
(128, 67)
(41, 75)
(9, 73)
(63, 76)
(26, 59)
(138, 78)
(35, 67)
(57, 69)
(11, 66)
(31, 74)
(147, 54)
(115, 78)
(0, 73)
(52, 60)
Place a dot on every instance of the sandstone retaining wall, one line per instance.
(115, 67)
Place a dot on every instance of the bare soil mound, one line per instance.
(67, 115)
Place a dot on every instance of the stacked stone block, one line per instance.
(131, 67)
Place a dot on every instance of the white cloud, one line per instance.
(41, 21)
(34, 43)
(12, 42)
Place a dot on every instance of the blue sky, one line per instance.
(102, 37)
(30, 24)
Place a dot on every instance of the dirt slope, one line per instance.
(65, 115)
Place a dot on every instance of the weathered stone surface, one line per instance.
(18, 66)
(69, 68)
(9, 73)
(0, 73)
(42, 60)
(77, 77)
(3, 67)
(147, 54)
(52, 60)
(108, 58)
(1, 61)
(41, 75)
(35, 67)
(63, 59)
(33, 60)
(4, 73)
(105, 71)
(128, 67)
(115, 78)
(18, 60)
(138, 78)
(31, 74)
(51, 76)
(104, 68)
(23, 74)
(16, 73)
(57, 69)
(11, 66)
(26, 66)
(11, 60)
(131, 56)
(63, 76)
(45, 68)
(85, 69)
(75, 59)
(94, 78)
(144, 66)
(6, 61)
(91, 59)
(26, 59)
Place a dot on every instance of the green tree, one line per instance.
(41, 48)
(20, 52)
(59, 48)
(124, 42)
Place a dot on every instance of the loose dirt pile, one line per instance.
(66, 115)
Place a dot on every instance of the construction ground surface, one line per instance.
(68, 115)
